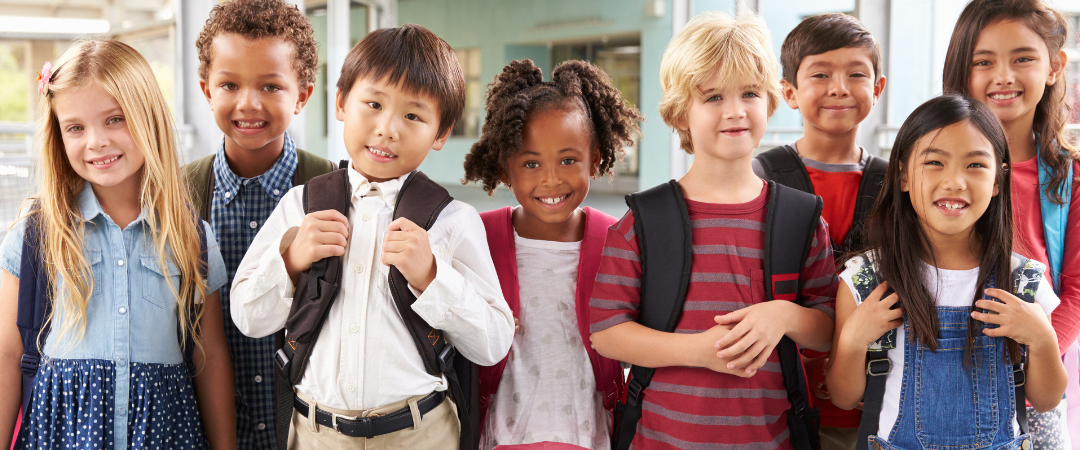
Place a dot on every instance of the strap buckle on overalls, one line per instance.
(878, 367)
(29, 363)
(1019, 376)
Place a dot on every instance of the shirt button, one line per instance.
(367, 217)
(351, 387)
(276, 192)
(354, 327)
(258, 378)
(228, 194)
(253, 224)
(120, 263)
(359, 268)
(121, 361)
(121, 411)
(122, 310)
(262, 426)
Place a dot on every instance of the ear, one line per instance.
(441, 140)
(594, 161)
(206, 93)
(302, 99)
(504, 177)
(788, 91)
(1004, 168)
(904, 181)
(339, 106)
(879, 87)
(1057, 67)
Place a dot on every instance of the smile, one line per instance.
(105, 161)
(1008, 96)
(951, 205)
(381, 153)
(242, 124)
(735, 131)
(552, 200)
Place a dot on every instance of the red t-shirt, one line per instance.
(1030, 241)
(685, 407)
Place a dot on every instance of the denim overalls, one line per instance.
(949, 400)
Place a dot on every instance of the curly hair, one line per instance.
(257, 19)
(520, 89)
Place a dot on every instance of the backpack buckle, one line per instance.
(1019, 377)
(633, 392)
(281, 360)
(29, 363)
(446, 358)
(878, 367)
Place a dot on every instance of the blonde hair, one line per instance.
(715, 44)
(123, 73)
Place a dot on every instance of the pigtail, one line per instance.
(614, 121)
(507, 107)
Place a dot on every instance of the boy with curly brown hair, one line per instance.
(257, 64)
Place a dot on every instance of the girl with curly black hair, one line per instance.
(545, 141)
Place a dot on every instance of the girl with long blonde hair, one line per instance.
(120, 249)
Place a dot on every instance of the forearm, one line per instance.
(639, 345)
(846, 375)
(213, 381)
(11, 385)
(811, 328)
(262, 291)
(1046, 377)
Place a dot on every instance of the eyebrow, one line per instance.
(1015, 50)
(937, 151)
(420, 105)
(265, 75)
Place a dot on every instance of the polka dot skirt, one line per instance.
(72, 407)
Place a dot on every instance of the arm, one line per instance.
(11, 351)
(460, 291)
(1066, 318)
(639, 345)
(856, 328)
(214, 378)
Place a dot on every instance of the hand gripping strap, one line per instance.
(662, 225)
(791, 213)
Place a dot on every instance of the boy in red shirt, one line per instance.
(832, 75)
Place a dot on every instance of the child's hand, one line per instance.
(708, 358)
(872, 318)
(1024, 322)
(815, 375)
(750, 343)
(406, 247)
(322, 234)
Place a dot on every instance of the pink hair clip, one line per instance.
(44, 78)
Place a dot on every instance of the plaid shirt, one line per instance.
(239, 209)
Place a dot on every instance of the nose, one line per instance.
(838, 87)
(96, 138)
(385, 126)
(955, 179)
(1003, 75)
(249, 100)
(549, 176)
(735, 109)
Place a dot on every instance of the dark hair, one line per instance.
(1052, 113)
(520, 90)
(258, 19)
(416, 58)
(893, 227)
(824, 33)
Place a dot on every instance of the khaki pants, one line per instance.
(840, 439)
(439, 429)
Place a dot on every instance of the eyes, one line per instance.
(987, 63)
(533, 164)
(110, 121)
(938, 163)
(234, 87)
(822, 76)
(718, 97)
(408, 116)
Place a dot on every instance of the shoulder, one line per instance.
(199, 168)
(860, 274)
(599, 217)
(312, 163)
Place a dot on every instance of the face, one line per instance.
(96, 139)
(550, 175)
(951, 177)
(253, 91)
(836, 89)
(729, 121)
(1010, 69)
(388, 131)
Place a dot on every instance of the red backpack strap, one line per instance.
(500, 235)
(608, 372)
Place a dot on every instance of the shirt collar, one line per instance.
(276, 181)
(90, 207)
(385, 190)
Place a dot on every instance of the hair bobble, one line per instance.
(44, 77)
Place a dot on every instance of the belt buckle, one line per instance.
(334, 422)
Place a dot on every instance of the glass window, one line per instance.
(469, 125)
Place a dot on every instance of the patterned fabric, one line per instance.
(1047, 430)
(687, 407)
(161, 412)
(240, 207)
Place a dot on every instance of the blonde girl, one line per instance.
(120, 250)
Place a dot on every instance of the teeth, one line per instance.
(553, 201)
(242, 124)
(952, 205)
(1004, 96)
(380, 153)
(101, 163)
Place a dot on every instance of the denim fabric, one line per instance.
(952, 400)
(131, 313)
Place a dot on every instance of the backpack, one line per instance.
(35, 305)
(1055, 220)
(662, 225)
(784, 165)
(421, 201)
(878, 364)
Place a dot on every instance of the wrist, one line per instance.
(424, 281)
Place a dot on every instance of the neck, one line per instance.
(122, 202)
(960, 252)
(1021, 139)
(721, 181)
(529, 227)
(248, 163)
(830, 148)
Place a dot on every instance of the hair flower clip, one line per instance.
(44, 78)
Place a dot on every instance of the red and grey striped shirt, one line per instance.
(685, 407)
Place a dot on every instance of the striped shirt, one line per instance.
(687, 407)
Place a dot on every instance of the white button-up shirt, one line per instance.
(364, 356)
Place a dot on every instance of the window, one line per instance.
(469, 124)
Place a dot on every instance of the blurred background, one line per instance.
(624, 37)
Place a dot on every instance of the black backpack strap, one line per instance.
(878, 364)
(873, 178)
(784, 165)
(193, 308)
(662, 226)
(1025, 279)
(791, 213)
(34, 305)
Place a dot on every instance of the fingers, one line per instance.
(876, 294)
(1006, 297)
(731, 317)
(726, 345)
(743, 359)
(403, 224)
(991, 305)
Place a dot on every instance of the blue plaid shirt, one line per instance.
(239, 209)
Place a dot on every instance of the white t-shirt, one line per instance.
(950, 288)
(548, 391)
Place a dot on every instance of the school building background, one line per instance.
(626, 38)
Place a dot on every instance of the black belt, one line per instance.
(369, 427)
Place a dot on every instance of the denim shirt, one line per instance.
(131, 302)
